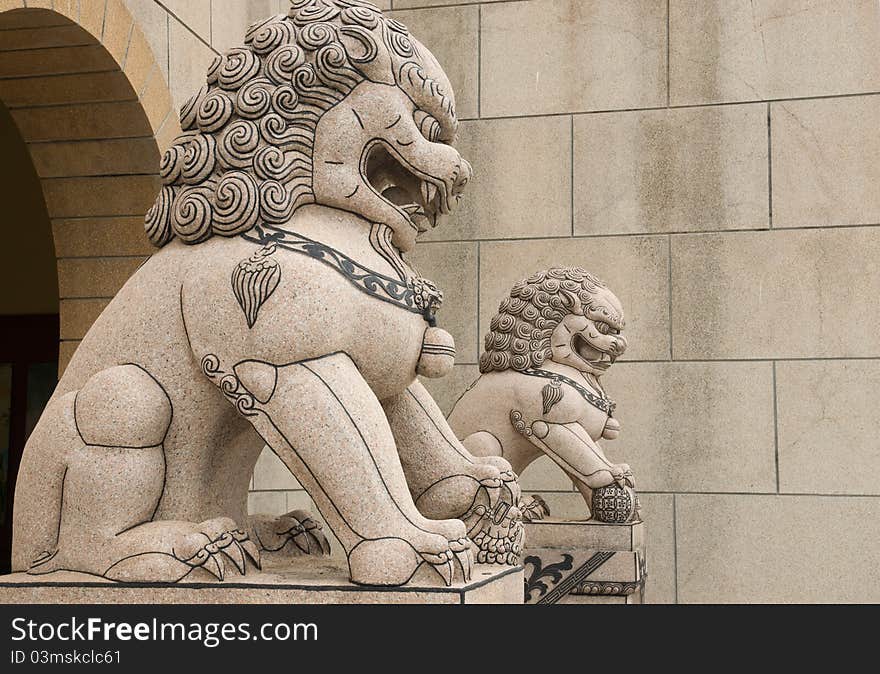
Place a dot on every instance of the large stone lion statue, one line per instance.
(309, 163)
(539, 391)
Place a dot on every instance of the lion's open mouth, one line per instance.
(589, 354)
(422, 199)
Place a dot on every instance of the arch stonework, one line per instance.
(93, 106)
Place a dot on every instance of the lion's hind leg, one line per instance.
(112, 476)
(113, 471)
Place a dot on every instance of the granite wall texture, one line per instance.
(715, 161)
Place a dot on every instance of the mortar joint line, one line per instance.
(776, 427)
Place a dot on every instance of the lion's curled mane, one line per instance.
(245, 156)
(519, 334)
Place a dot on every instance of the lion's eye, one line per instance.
(429, 126)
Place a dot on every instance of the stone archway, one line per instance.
(93, 106)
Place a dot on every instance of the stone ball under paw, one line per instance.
(615, 504)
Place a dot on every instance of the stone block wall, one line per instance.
(716, 162)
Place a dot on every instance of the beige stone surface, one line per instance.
(556, 533)
(66, 350)
(118, 24)
(87, 121)
(77, 316)
(270, 473)
(54, 61)
(10, 4)
(194, 14)
(96, 196)
(737, 50)
(189, 58)
(168, 132)
(267, 502)
(91, 16)
(544, 475)
(94, 277)
(453, 267)
(452, 35)
(138, 61)
(151, 26)
(44, 37)
(402, 4)
(786, 289)
(81, 237)
(634, 266)
(231, 18)
(95, 158)
(156, 99)
(447, 390)
(315, 583)
(825, 168)
(57, 89)
(777, 549)
(695, 426)
(572, 55)
(658, 514)
(69, 8)
(671, 170)
(517, 163)
(828, 426)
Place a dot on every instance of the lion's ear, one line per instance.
(572, 302)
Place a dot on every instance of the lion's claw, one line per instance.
(207, 561)
(465, 561)
(445, 570)
(297, 527)
(227, 545)
(236, 556)
(248, 546)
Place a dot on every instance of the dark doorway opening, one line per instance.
(28, 375)
(29, 307)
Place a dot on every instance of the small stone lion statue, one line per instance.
(280, 309)
(539, 392)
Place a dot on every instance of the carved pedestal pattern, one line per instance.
(589, 562)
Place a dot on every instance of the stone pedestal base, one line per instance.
(590, 562)
(311, 582)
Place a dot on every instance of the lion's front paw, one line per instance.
(212, 549)
(396, 561)
(535, 510)
(495, 526)
(623, 475)
(174, 551)
(290, 535)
